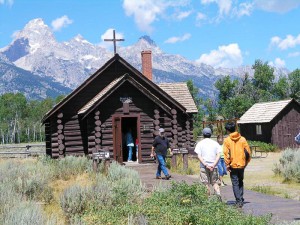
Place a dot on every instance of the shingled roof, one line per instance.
(114, 84)
(263, 112)
(180, 92)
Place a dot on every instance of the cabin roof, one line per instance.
(100, 72)
(99, 95)
(263, 112)
(180, 92)
(112, 87)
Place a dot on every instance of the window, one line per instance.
(258, 129)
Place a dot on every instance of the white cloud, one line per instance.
(8, 2)
(144, 12)
(279, 63)
(289, 42)
(148, 11)
(226, 56)
(294, 54)
(173, 40)
(243, 9)
(61, 22)
(278, 6)
(183, 14)
(224, 5)
(108, 34)
(200, 16)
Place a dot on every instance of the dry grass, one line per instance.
(58, 187)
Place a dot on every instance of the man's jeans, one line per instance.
(237, 177)
(129, 153)
(161, 165)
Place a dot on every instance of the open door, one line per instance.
(130, 124)
(117, 139)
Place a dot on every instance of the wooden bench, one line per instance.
(100, 156)
(255, 151)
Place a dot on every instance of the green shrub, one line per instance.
(289, 165)
(9, 198)
(264, 189)
(66, 167)
(29, 179)
(73, 201)
(188, 204)
(24, 213)
(267, 147)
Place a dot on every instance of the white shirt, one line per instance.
(208, 150)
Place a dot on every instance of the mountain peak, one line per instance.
(34, 29)
(80, 39)
(147, 39)
(38, 22)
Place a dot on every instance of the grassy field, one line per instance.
(67, 191)
(259, 176)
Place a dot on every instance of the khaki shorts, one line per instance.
(209, 177)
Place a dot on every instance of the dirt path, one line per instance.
(255, 203)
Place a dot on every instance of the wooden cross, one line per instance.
(115, 41)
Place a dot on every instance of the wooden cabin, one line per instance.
(96, 115)
(272, 122)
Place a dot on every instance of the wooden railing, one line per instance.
(21, 151)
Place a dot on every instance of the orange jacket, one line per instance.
(233, 149)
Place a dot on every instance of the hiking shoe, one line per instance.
(219, 197)
(168, 177)
(158, 177)
(239, 205)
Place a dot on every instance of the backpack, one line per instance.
(297, 139)
(247, 155)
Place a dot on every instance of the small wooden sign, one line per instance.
(101, 155)
(126, 99)
(180, 151)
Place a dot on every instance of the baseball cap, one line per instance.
(206, 131)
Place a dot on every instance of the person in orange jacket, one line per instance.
(237, 156)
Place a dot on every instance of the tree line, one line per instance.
(236, 96)
(20, 118)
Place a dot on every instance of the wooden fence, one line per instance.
(22, 150)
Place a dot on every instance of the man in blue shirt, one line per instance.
(161, 146)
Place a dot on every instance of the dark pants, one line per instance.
(237, 177)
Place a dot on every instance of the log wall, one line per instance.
(72, 136)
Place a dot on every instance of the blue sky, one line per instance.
(226, 33)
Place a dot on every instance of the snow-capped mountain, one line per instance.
(36, 50)
(14, 79)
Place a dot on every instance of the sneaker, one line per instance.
(130, 161)
(239, 205)
(219, 197)
(168, 177)
(158, 177)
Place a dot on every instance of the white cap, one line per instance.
(161, 130)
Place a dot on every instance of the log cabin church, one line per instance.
(96, 115)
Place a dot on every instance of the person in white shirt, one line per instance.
(208, 152)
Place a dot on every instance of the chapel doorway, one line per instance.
(130, 125)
